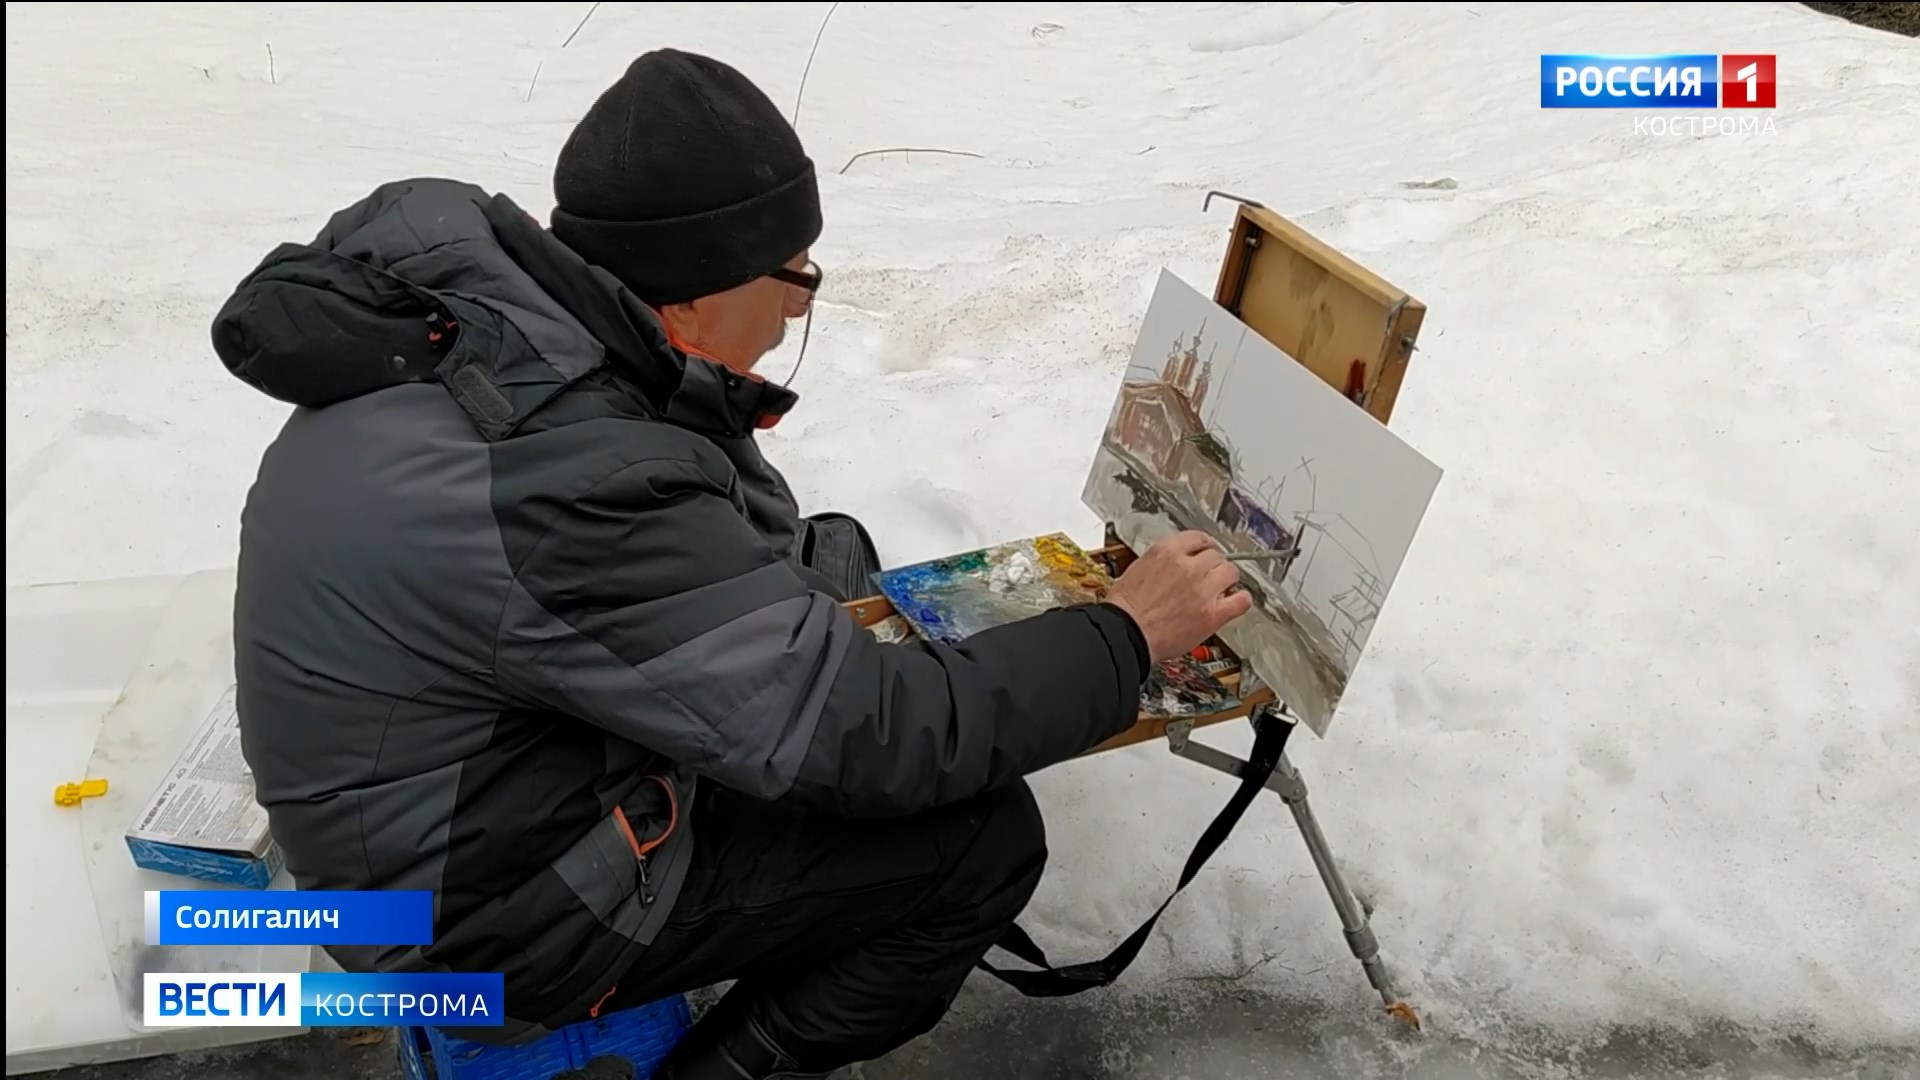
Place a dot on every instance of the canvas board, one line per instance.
(1215, 428)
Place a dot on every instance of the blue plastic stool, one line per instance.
(641, 1035)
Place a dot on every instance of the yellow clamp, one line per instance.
(71, 794)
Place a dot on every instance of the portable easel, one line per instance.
(1356, 332)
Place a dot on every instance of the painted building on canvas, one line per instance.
(1154, 419)
(1241, 512)
(1158, 428)
(1185, 372)
(1201, 468)
(1158, 425)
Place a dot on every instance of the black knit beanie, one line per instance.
(684, 180)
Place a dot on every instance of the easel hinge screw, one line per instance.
(1177, 733)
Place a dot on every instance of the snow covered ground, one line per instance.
(1634, 745)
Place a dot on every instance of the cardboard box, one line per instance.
(203, 821)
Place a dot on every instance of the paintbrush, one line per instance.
(1259, 556)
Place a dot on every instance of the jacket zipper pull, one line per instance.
(646, 886)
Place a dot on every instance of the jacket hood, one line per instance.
(437, 281)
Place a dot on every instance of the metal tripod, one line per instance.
(1285, 782)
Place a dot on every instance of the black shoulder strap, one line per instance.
(1269, 739)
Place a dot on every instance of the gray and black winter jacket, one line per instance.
(514, 578)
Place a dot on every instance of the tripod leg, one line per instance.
(1353, 918)
(1286, 783)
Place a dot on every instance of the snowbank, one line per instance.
(1636, 736)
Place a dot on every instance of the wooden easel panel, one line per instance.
(873, 609)
(1335, 317)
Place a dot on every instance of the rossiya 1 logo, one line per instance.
(1660, 81)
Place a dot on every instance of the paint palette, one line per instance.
(953, 598)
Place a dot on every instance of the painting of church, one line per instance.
(1158, 424)
(1154, 418)
(1217, 429)
(1157, 418)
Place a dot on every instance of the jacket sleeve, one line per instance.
(649, 607)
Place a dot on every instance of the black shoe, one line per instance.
(726, 1044)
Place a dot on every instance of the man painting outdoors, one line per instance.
(525, 619)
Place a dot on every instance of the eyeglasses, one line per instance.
(808, 280)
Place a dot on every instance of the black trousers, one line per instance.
(847, 938)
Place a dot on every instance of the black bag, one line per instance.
(838, 550)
